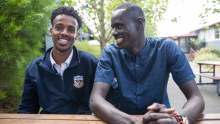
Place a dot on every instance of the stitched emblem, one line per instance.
(78, 81)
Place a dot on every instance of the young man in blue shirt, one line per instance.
(60, 82)
(142, 66)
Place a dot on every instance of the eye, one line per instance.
(119, 26)
(59, 27)
(72, 29)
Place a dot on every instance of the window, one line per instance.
(216, 32)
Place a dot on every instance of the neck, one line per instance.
(140, 44)
(60, 57)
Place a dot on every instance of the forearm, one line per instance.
(29, 103)
(193, 108)
(29, 100)
(109, 113)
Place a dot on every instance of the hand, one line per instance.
(158, 118)
(159, 114)
(161, 108)
(136, 120)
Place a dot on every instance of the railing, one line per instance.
(193, 52)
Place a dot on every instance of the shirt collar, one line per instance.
(142, 53)
(68, 60)
(144, 50)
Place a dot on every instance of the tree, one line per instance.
(23, 24)
(96, 15)
(210, 7)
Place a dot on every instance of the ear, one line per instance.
(140, 23)
(77, 35)
(51, 30)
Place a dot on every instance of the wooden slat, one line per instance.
(208, 122)
(48, 117)
(210, 117)
(208, 76)
(26, 121)
(209, 63)
(78, 119)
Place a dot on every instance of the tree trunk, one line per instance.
(102, 44)
(102, 27)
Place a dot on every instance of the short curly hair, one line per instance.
(66, 10)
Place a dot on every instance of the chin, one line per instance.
(120, 47)
(62, 49)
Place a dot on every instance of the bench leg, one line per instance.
(218, 87)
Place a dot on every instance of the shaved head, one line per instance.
(131, 9)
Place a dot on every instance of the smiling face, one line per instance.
(64, 32)
(124, 29)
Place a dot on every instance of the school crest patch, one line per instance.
(78, 81)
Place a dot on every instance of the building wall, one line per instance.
(48, 42)
(215, 43)
(209, 37)
(206, 35)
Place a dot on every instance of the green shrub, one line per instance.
(197, 44)
(23, 24)
(208, 54)
(84, 46)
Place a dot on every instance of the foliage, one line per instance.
(96, 15)
(84, 46)
(210, 7)
(23, 24)
(208, 53)
(197, 44)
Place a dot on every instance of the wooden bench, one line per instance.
(216, 80)
(79, 119)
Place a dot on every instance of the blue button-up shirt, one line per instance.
(142, 79)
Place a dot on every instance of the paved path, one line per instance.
(212, 100)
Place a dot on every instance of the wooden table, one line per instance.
(48, 119)
(77, 119)
(210, 68)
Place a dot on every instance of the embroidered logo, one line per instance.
(78, 81)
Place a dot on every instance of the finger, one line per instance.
(165, 121)
(162, 121)
(151, 122)
(155, 107)
(167, 110)
(155, 116)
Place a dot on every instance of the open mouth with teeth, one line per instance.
(62, 41)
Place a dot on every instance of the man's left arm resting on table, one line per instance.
(195, 103)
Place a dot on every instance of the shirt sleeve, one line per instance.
(29, 101)
(104, 71)
(178, 64)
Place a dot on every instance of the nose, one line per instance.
(115, 32)
(64, 31)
